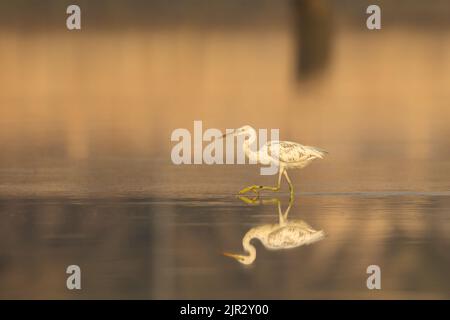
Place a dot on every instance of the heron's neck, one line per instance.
(248, 247)
(248, 143)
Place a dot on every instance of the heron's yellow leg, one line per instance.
(286, 213)
(291, 187)
(253, 188)
(257, 189)
(257, 200)
(248, 200)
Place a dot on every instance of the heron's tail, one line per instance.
(316, 236)
(318, 152)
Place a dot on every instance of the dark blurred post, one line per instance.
(313, 31)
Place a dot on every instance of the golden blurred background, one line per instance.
(137, 70)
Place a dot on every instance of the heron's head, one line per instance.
(240, 258)
(244, 130)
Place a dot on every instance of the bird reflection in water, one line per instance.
(286, 234)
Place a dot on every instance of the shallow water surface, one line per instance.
(167, 240)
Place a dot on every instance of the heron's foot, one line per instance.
(248, 200)
(256, 189)
(257, 200)
(253, 188)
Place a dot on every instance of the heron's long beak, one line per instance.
(227, 134)
(231, 255)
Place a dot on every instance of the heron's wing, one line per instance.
(287, 237)
(290, 152)
(292, 236)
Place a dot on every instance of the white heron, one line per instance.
(284, 154)
(283, 235)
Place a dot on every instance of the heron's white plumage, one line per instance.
(286, 234)
(293, 234)
(284, 154)
(292, 154)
